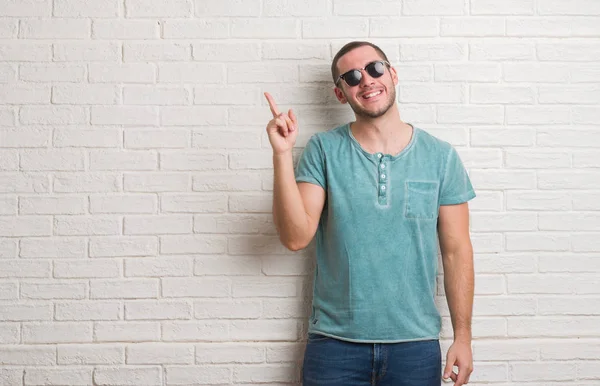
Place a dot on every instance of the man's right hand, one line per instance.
(282, 129)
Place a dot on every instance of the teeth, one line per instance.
(372, 94)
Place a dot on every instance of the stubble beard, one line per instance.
(363, 113)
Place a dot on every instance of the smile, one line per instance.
(372, 94)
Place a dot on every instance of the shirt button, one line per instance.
(383, 176)
(383, 188)
(379, 155)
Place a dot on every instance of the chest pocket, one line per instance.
(421, 199)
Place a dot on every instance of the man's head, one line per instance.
(374, 94)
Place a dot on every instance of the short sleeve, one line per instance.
(456, 186)
(311, 166)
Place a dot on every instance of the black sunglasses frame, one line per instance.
(373, 75)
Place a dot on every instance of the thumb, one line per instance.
(449, 365)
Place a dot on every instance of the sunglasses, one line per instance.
(353, 77)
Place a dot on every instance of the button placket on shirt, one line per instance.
(382, 177)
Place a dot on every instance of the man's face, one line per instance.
(372, 97)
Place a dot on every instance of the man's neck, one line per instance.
(387, 134)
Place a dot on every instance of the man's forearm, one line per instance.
(459, 280)
(289, 214)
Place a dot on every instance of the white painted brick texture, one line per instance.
(136, 240)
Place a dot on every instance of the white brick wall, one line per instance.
(136, 239)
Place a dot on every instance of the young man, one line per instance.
(376, 192)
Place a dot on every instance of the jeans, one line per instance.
(333, 362)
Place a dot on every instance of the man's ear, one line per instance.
(340, 95)
(394, 75)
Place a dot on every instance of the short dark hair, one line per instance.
(349, 47)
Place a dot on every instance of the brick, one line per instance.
(9, 160)
(190, 331)
(283, 308)
(488, 94)
(27, 8)
(24, 183)
(226, 138)
(24, 95)
(141, 95)
(568, 180)
(196, 28)
(86, 95)
(8, 248)
(64, 137)
(123, 246)
(160, 138)
(577, 7)
(257, 29)
(585, 115)
(289, 8)
(7, 117)
(156, 182)
(432, 52)
(543, 371)
(28, 355)
(157, 310)
(52, 72)
(147, 225)
(528, 115)
(226, 52)
(433, 7)
(25, 52)
(265, 287)
(128, 376)
(540, 241)
(96, 311)
(197, 244)
(420, 93)
(470, 114)
(338, 27)
(264, 330)
(60, 115)
(569, 350)
(561, 326)
(8, 205)
(496, 7)
(30, 137)
(158, 8)
(498, 137)
(57, 333)
(160, 353)
(93, 268)
(193, 116)
(123, 160)
(499, 222)
(501, 51)
(296, 51)
(87, 8)
(8, 73)
(203, 73)
(161, 267)
(286, 266)
(130, 203)
(90, 354)
(508, 350)
(261, 73)
(125, 115)
(537, 159)
(228, 8)
(87, 52)
(86, 182)
(229, 353)
(577, 52)
(472, 26)
(560, 27)
(251, 159)
(538, 201)
(87, 226)
(52, 205)
(24, 312)
(231, 95)
(535, 72)
(60, 160)
(126, 331)
(196, 160)
(256, 245)
(195, 287)
(360, 8)
(125, 29)
(54, 29)
(25, 226)
(53, 247)
(228, 309)
(236, 182)
(585, 201)
(8, 291)
(570, 221)
(225, 265)
(124, 289)
(156, 51)
(8, 28)
(122, 73)
(9, 334)
(585, 242)
(250, 203)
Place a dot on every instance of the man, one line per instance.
(375, 193)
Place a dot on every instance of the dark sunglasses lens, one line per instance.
(353, 77)
(375, 69)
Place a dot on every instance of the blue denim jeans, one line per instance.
(333, 362)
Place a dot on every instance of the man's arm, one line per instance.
(459, 280)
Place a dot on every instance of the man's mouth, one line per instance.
(372, 94)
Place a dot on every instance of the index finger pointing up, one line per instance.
(272, 105)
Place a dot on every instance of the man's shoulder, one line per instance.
(433, 143)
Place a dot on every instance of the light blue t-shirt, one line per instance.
(376, 242)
